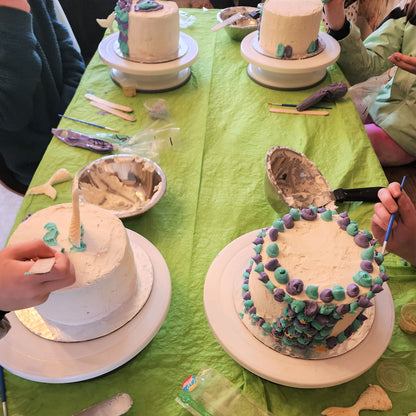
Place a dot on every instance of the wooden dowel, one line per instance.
(306, 112)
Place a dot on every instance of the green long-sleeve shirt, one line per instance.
(395, 107)
(39, 73)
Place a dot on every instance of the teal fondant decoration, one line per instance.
(279, 224)
(50, 236)
(270, 286)
(327, 215)
(259, 268)
(353, 307)
(295, 214)
(280, 50)
(281, 275)
(378, 280)
(338, 292)
(272, 250)
(352, 228)
(368, 253)
(297, 305)
(312, 47)
(362, 278)
(312, 291)
(257, 248)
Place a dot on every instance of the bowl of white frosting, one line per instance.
(242, 27)
(127, 185)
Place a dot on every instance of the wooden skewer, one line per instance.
(120, 107)
(306, 112)
(112, 111)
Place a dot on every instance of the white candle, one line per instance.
(75, 227)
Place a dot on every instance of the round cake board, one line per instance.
(288, 74)
(148, 77)
(241, 345)
(38, 359)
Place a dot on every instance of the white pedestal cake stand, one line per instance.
(252, 354)
(148, 77)
(38, 359)
(288, 74)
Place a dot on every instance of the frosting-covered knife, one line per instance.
(114, 406)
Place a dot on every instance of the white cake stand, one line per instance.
(288, 74)
(38, 359)
(148, 77)
(240, 344)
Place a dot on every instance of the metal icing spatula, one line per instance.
(293, 179)
(114, 406)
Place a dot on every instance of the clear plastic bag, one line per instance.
(211, 394)
(365, 93)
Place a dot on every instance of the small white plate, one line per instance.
(252, 354)
(34, 358)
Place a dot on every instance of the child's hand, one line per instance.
(19, 290)
(408, 63)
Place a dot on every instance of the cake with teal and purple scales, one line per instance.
(312, 277)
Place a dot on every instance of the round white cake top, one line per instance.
(294, 7)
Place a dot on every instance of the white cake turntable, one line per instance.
(149, 77)
(37, 358)
(224, 278)
(288, 74)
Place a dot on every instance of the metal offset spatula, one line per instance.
(292, 178)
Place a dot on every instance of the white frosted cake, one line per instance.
(290, 28)
(311, 278)
(105, 268)
(149, 30)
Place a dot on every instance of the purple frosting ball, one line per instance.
(322, 319)
(353, 290)
(279, 295)
(311, 308)
(361, 318)
(377, 288)
(260, 322)
(343, 223)
(252, 310)
(247, 296)
(343, 214)
(326, 296)
(348, 331)
(288, 221)
(331, 342)
(258, 240)
(263, 277)
(321, 210)
(273, 233)
(384, 276)
(364, 302)
(272, 265)
(257, 258)
(342, 309)
(294, 287)
(367, 266)
(361, 240)
(308, 214)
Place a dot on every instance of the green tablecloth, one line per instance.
(215, 174)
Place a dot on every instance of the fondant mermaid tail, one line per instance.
(374, 398)
(61, 175)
